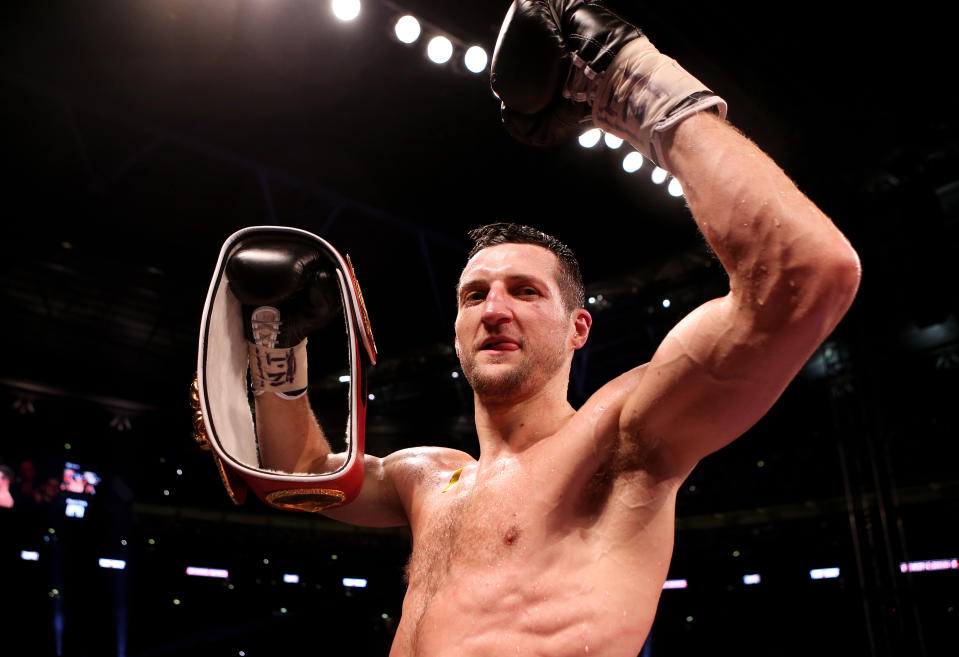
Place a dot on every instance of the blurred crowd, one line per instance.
(25, 486)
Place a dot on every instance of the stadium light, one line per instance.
(475, 59)
(407, 29)
(590, 138)
(633, 162)
(612, 141)
(439, 49)
(346, 10)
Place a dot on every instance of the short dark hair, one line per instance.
(570, 278)
(7, 472)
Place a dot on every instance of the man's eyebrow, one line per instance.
(511, 279)
(532, 278)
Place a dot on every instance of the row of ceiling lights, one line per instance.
(440, 50)
(633, 161)
(408, 31)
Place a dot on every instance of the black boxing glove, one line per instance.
(540, 44)
(287, 290)
(560, 65)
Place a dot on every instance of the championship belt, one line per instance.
(223, 419)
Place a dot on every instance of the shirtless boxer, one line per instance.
(558, 539)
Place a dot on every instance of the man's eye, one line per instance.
(529, 291)
(473, 297)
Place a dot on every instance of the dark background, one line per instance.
(138, 135)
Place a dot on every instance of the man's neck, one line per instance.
(509, 427)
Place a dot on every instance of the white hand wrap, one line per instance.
(279, 370)
(645, 93)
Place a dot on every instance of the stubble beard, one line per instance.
(506, 382)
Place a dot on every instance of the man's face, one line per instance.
(513, 332)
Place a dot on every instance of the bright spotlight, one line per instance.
(346, 10)
(475, 59)
(659, 175)
(439, 50)
(407, 29)
(674, 188)
(612, 141)
(590, 138)
(632, 162)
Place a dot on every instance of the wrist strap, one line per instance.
(279, 370)
(644, 93)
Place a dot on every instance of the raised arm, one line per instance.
(792, 276)
(291, 440)
(561, 63)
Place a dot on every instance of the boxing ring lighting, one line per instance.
(675, 584)
(475, 59)
(29, 555)
(824, 573)
(439, 49)
(407, 29)
(290, 578)
(346, 10)
(116, 564)
(354, 582)
(633, 162)
(752, 579)
(612, 141)
(675, 188)
(590, 138)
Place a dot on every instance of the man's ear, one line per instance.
(582, 321)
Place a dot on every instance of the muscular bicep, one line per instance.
(715, 374)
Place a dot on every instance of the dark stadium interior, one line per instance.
(139, 135)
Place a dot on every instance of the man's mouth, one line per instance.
(499, 344)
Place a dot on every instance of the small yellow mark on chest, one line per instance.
(453, 479)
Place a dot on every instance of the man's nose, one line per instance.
(496, 308)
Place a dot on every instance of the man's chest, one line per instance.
(517, 514)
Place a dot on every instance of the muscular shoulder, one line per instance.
(416, 467)
(609, 399)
